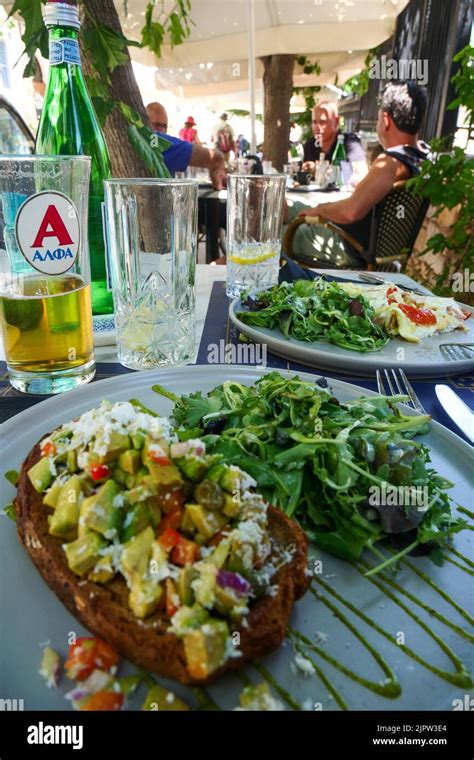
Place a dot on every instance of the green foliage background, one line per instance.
(107, 49)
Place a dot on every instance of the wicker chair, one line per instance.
(391, 237)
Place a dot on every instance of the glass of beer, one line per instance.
(45, 302)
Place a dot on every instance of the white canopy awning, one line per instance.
(214, 60)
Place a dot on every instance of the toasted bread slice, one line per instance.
(103, 609)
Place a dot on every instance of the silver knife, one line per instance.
(455, 407)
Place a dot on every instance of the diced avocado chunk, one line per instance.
(51, 496)
(241, 558)
(225, 600)
(130, 461)
(164, 474)
(126, 685)
(139, 493)
(154, 511)
(187, 524)
(86, 506)
(41, 474)
(71, 460)
(87, 484)
(205, 648)
(83, 553)
(103, 516)
(66, 514)
(148, 483)
(215, 472)
(220, 554)
(120, 476)
(137, 518)
(192, 467)
(188, 618)
(116, 443)
(231, 505)
(205, 585)
(159, 556)
(144, 597)
(103, 571)
(136, 555)
(138, 440)
(208, 523)
(162, 700)
(230, 480)
(186, 576)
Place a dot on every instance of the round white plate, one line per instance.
(31, 614)
(416, 359)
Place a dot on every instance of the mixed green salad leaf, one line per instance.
(316, 310)
(326, 463)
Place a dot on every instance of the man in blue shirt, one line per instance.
(182, 154)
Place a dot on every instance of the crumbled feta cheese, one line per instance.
(272, 590)
(303, 665)
(118, 501)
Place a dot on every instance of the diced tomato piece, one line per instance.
(100, 471)
(466, 314)
(49, 449)
(159, 458)
(169, 538)
(86, 655)
(418, 315)
(169, 499)
(104, 700)
(158, 455)
(172, 520)
(185, 552)
(389, 293)
(172, 598)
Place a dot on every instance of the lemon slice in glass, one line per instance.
(236, 259)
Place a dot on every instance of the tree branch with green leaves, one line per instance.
(107, 49)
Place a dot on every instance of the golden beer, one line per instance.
(46, 323)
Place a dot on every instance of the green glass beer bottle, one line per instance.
(69, 126)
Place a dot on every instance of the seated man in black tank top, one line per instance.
(401, 111)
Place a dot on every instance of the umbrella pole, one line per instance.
(251, 43)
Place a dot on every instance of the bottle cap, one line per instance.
(62, 13)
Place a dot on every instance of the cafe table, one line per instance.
(212, 210)
(215, 332)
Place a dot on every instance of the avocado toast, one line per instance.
(164, 551)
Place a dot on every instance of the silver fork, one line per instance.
(376, 280)
(398, 383)
(457, 351)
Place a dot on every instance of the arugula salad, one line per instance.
(316, 310)
(322, 461)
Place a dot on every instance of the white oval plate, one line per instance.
(31, 614)
(416, 359)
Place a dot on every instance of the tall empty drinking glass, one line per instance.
(152, 238)
(254, 222)
(45, 302)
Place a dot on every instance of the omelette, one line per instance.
(409, 315)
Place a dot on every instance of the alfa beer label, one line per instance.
(48, 232)
(65, 50)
